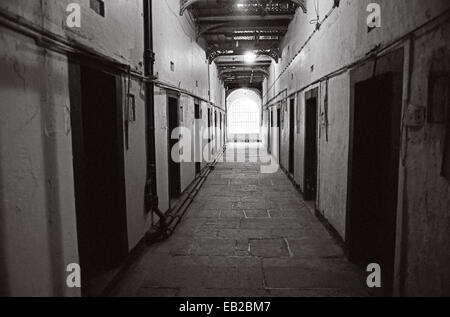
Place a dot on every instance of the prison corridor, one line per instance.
(246, 234)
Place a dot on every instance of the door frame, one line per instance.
(175, 95)
(279, 111)
(269, 131)
(397, 61)
(81, 199)
(209, 124)
(198, 136)
(311, 94)
(292, 130)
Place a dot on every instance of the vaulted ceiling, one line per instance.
(233, 28)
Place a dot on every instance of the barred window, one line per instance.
(244, 117)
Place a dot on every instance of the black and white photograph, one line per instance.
(224, 154)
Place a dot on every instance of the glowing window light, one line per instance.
(244, 117)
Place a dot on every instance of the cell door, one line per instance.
(269, 131)
(174, 164)
(374, 174)
(98, 154)
(279, 134)
(219, 135)
(216, 133)
(291, 136)
(198, 139)
(311, 146)
(210, 136)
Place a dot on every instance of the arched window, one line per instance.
(244, 117)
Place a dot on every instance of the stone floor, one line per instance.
(246, 234)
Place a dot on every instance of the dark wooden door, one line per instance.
(198, 140)
(291, 136)
(279, 131)
(311, 148)
(270, 127)
(174, 164)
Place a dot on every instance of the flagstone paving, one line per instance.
(246, 234)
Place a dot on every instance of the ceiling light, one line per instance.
(249, 57)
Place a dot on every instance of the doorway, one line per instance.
(311, 145)
(374, 174)
(279, 134)
(216, 134)
(224, 132)
(210, 136)
(291, 136)
(269, 130)
(198, 139)
(99, 173)
(174, 163)
(219, 135)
